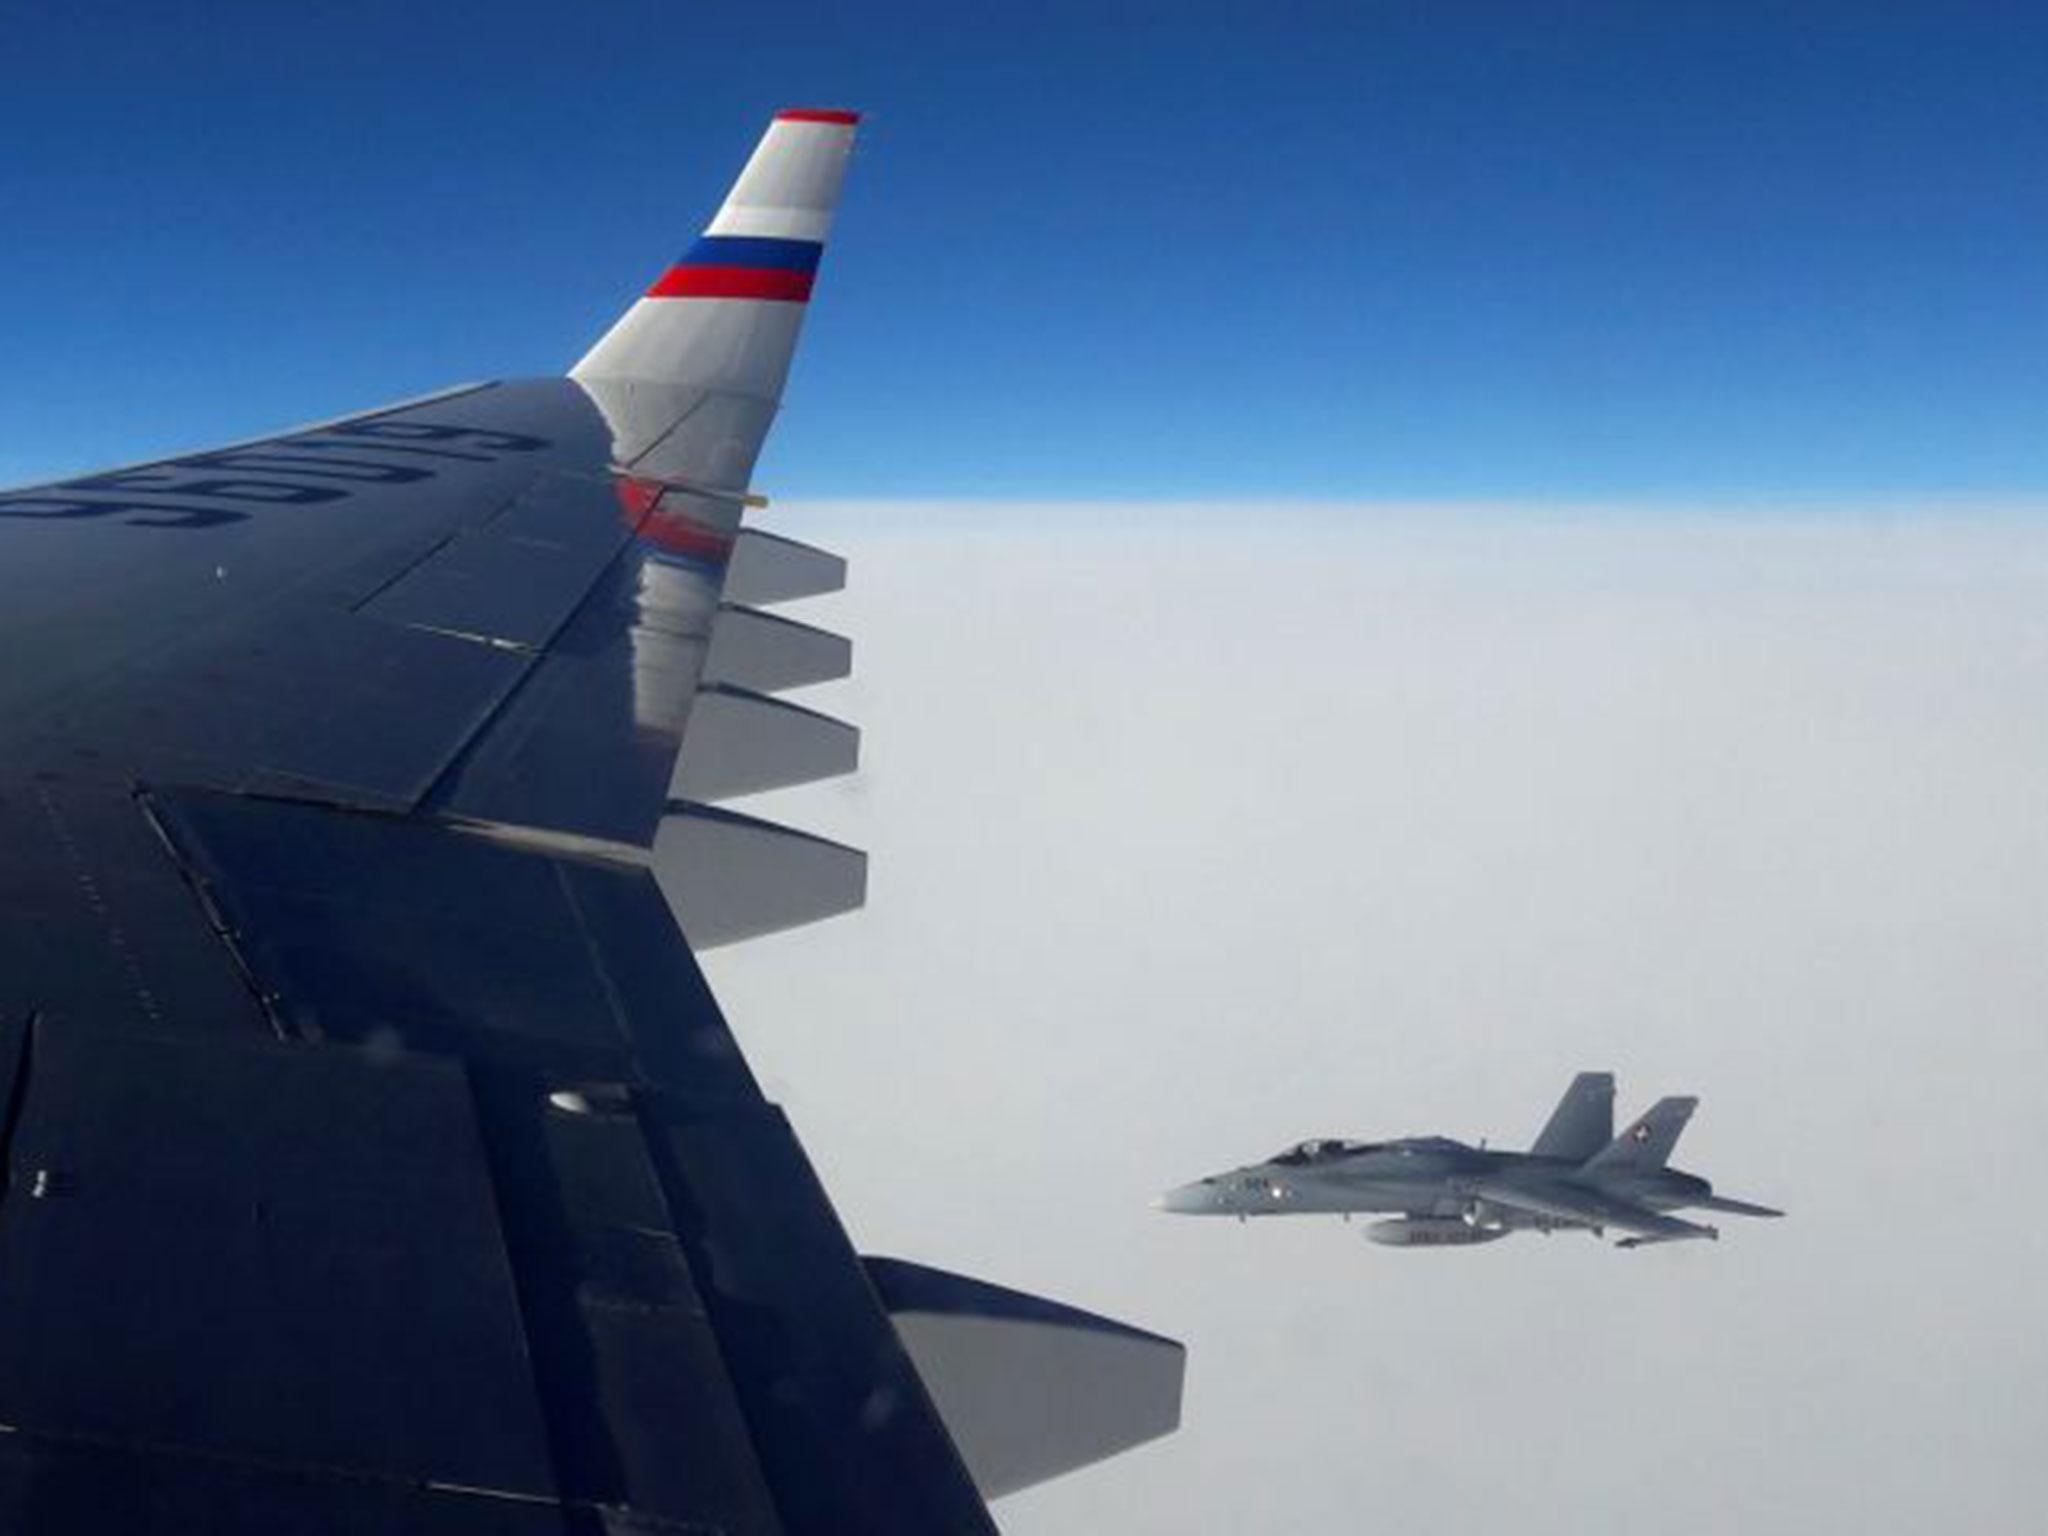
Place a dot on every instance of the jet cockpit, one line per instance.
(1322, 1149)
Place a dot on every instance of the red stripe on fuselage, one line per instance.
(732, 283)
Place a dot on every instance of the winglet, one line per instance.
(725, 315)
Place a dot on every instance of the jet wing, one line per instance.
(1583, 1206)
(376, 1157)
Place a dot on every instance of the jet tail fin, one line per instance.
(1646, 1145)
(1583, 1121)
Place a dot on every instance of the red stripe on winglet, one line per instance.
(732, 283)
(816, 115)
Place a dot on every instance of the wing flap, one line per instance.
(329, 706)
(702, 1344)
(248, 1214)
(847, 1435)
(70, 1488)
(514, 580)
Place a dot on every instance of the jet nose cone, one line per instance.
(1186, 1200)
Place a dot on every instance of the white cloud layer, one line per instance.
(1190, 841)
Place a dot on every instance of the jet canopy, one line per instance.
(1323, 1149)
(1329, 1149)
(1429, 1144)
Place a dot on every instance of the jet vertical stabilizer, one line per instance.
(1583, 1121)
(1646, 1145)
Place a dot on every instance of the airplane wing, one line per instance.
(1576, 1203)
(376, 1157)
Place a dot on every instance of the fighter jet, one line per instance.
(1577, 1176)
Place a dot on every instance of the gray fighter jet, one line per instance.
(1578, 1176)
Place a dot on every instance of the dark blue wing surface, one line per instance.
(376, 1158)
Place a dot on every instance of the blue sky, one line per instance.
(1522, 249)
